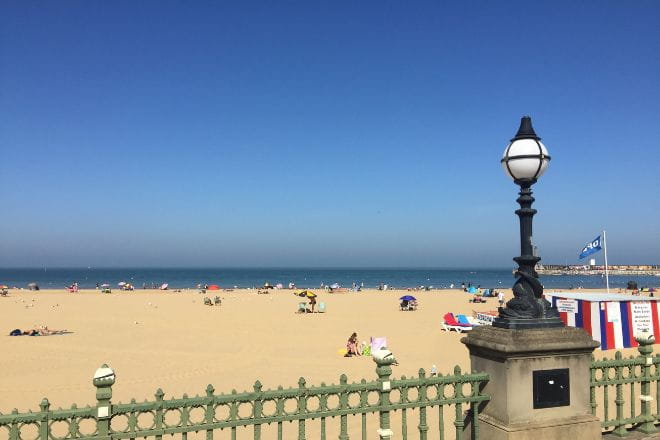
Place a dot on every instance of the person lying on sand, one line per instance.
(37, 331)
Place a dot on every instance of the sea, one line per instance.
(54, 278)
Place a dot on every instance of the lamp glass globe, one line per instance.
(522, 158)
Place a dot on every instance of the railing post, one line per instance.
(459, 423)
(592, 387)
(302, 407)
(44, 419)
(104, 378)
(620, 429)
(258, 409)
(646, 341)
(158, 418)
(209, 413)
(343, 406)
(384, 358)
(14, 431)
(422, 427)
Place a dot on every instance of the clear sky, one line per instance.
(169, 133)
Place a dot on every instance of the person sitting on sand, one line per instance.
(217, 301)
(351, 346)
(207, 301)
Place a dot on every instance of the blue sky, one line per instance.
(339, 134)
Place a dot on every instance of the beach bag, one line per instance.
(15, 332)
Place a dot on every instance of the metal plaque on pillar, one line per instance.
(551, 388)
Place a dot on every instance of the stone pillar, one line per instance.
(539, 383)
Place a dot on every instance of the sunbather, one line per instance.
(37, 331)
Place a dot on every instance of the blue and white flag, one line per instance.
(591, 247)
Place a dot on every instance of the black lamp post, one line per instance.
(525, 160)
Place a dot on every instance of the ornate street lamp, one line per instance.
(525, 160)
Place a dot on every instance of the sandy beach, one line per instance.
(171, 340)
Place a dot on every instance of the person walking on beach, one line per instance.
(500, 298)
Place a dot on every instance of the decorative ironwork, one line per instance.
(633, 377)
(213, 412)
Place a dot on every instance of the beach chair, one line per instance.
(302, 307)
(464, 320)
(4, 291)
(321, 307)
(450, 323)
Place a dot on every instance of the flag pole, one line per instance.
(607, 278)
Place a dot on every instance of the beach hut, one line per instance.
(611, 319)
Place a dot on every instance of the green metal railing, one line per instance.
(214, 416)
(623, 383)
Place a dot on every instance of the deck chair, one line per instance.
(321, 307)
(463, 320)
(450, 323)
(302, 307)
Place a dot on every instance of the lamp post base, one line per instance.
(525, 323)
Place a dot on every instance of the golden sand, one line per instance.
(171, 340)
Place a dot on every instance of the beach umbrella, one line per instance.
(408, 298)
(214, 287)
(105, 285)
(121, 284)
(306, 293)
(472, 290)
(4, 286)
(335, 286)
(267, 285)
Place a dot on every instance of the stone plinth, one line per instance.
(511, 357)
